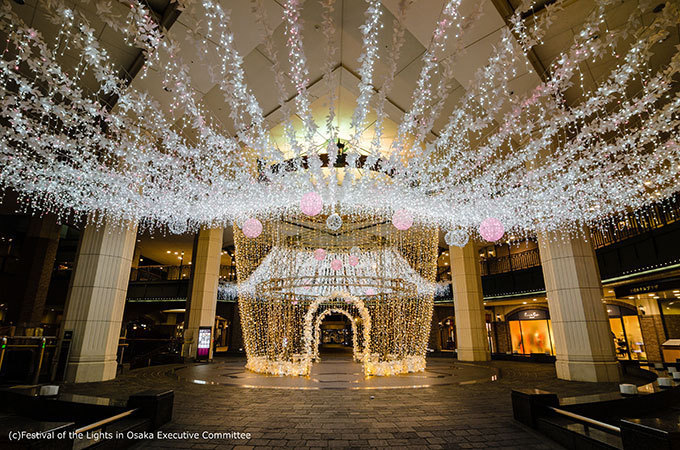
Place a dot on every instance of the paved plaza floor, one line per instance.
(448, 415)
(337, 372)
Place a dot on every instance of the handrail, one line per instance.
(108, 420)
(168, 272)
(508, 263)
(636, 223)
(587, 420)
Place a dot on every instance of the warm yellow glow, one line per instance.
(283, 301)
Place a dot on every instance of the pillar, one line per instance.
(583, 344)
(652, 327)
(202, 300)
(38, 252)
(136, 257)
(468, 302)
(96, 300)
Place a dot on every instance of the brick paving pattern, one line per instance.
(455, 417)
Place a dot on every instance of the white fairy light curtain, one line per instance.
(518, 162)
(296, 271)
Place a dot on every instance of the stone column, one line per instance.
(468, 302)
(202, 300)
(652, 328)
(583, 344)
(136, 256)
(39, 250)
(96, 299)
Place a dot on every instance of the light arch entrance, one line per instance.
(351, 307)
(357, 345)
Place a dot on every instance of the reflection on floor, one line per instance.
(337, 370)
(478, 415)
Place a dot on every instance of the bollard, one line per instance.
(530, 404)
(156, 404)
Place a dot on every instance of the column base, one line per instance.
(473, 354)
(596, 372)
(91, 371)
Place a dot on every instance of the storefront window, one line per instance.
(670, 310)
(531, 332)
(535, 335)
(516, 337)
(625, 328)
(620, 344)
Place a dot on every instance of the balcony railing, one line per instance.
(169, 273)
(160, 273)
(514, 261)
(635, 224)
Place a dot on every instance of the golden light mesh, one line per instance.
(284, 292)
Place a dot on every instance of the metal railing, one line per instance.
(635, 224)
(170, 273)
(160, 273)
(514, 261)
(587, 421)
(102, 423)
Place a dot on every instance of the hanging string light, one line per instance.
(538, 162)
(286, 287)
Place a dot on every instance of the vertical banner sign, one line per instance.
(204, 342)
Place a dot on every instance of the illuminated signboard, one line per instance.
(529, 314)
(204, 338)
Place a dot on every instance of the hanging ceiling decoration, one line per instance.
(531, 161)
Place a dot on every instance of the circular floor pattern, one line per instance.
(337, 373)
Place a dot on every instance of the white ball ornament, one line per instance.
(334, 222)
(456, 237)
(178, 227)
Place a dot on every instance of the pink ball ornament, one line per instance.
(370, 291)
(319, 254)
(252, 228)
(311, 204)
(491, 229)
(336, 264)
(402, 220)
(353, 260)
